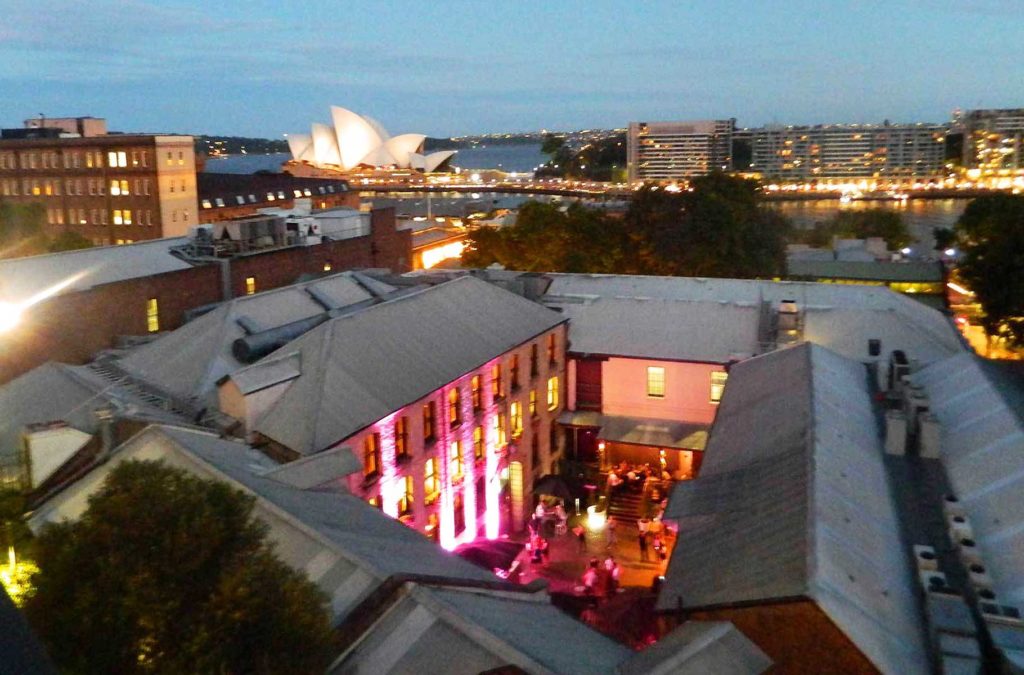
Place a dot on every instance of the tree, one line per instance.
(167, 572)
(719, 228)
(68, 240)
(990, 234)
(21, 229)
(945, 237)
(552, 144)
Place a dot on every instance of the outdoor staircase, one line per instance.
(625, 506)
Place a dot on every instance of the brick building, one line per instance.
(109, 188)
(223, 196)
(146, 288)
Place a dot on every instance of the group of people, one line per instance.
(601, 580)
(538, 545)
(634, 477)
(652, 535)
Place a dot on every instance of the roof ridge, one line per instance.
(810, 558)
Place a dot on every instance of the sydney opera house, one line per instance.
(354, 142)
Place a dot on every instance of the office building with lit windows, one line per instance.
(673, 151)
(844, 152)
(993, 142)
(109, 188)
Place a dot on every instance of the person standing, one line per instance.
(643, 546)
(581, 536)
(610, 532)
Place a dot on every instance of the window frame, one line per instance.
(656, 382)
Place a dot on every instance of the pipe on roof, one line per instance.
(251, 348)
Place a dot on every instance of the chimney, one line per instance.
(105, 422)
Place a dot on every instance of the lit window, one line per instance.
(456, 466)
(656, 382)
(250, 285)
(454, 414)
(152, 314)
(552, 393)
(371, 455)
(478, 443)
(402, 438)
(118, 217)
(499, 429)
(552, 347)
(718, 379)
(477, 394)
(327, 267)
(127, 216)
(406, 500)
(429, 415)
(122, 159)
(111, 159)
(533, 403)
(516, 412)
(496, 381)
(431, 484)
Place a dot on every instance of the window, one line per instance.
(170, 158)
(533, 403)
(535, 452)
(718, 379)
(117, 159)
(371, 456)
(456, 465)
(516, 413)
(127, 215)
(408, 496)
(459, 515)
(479, 451)
(376, 502)
(118, 187)
(152, 315)
(656, 382)
(431, 484)
(118, 217)
(499, 429)
(552, 393)
(496, 381)
(402, 438)
(552, 344)
(514, 375)
(454, 412)
(429, 415)
(476, 393)
(181, 158)
(533, 360)
(250, 285)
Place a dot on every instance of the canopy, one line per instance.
(553, 486)
(491, 555)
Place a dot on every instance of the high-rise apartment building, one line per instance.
(836, 152)
(666, 151)
(110, 188)
(994, 141)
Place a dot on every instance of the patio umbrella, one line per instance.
(553, 486)
(491, 554)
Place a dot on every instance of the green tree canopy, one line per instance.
(552, 144)
(68, 240)
(859, 224)
(166, 572)
(719, 229)
(990, 234)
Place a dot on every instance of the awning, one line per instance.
(581, 418)
(653, 432)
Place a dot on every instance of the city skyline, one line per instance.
(448, 69)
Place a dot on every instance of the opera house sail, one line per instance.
(355, 141)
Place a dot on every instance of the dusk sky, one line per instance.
(267, 67)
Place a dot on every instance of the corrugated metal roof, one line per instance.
(709, 319)
(22, 278)
(698, 648)
(357, 369)
(190, 360)
(793, 500)
(983, 452)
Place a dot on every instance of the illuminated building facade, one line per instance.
(842, 152)
(670, 151)
(448, 397)
(994, 143)
(109, 188)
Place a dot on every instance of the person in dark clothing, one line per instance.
(643, 547)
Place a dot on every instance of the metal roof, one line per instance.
(359, 368)
(793, 501)
(982, 448)
(697, 648)
(22, 278)
(698, 319)
(190, 360)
